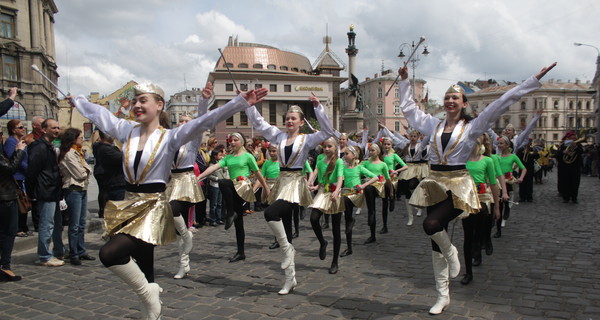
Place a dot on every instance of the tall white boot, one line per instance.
(184, 233)
(184, 266)
(286, 248)
(149, 293)
(290, 280)
(419, 210)
(449, 251)
(440, 273)
(409, 211)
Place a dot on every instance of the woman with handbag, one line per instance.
(16, 130)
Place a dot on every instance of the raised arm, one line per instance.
(103, 118)
(259, 124)
(205, 99)
(399, 141)
(9, 102)
(312, 140)
(522, 138)
(416, 118)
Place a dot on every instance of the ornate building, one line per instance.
(289, 76)
(567, 105)
(27, 38)
(183, 103)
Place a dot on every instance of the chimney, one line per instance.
(375, 76)
(577, 81)
(367, 79)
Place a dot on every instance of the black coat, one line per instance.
(42, 179)
(8, 167)
(108, 169)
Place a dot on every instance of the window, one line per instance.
(243, 119)
(244, 86)
(397, 126)
(587, 105)
(257, 66)
(380, 92)
(555, 136)
(257, 85)
(271, 67)
(579, 105)
(523, 122)
(523, 105)
(228, 65)
(570, 104)
(555, 122)
(17, 111)
(295, 69)
(284, 68)
(273, 87)
(396, 108)
(380, 108)
(272, 113)
(229, 121)
(570, 122)
(287, 88)
(396, 92)
(555, 104)
(229, 87)
(7, 25)
(243, 65)
(10, 68)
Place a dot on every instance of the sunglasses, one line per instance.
(21, 127)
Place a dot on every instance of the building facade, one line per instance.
(27, 38)
(567, 105)
(289, 76)
(183, 103)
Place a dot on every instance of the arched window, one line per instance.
(271, 67)
(243, 65)
(257, 66)
(284, 68)
(523, 105)
(230, 65)
(16, 112)
(295, 69)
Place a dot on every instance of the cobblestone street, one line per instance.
(545, 266)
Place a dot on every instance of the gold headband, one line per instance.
(148, 88)
(456, 89)
(509, 126)
(295, 108)
(237, 135)
(505, 138)
(376, 146)
(354, 150)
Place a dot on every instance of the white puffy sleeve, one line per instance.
(522, 138)
(313, 139)
(259, 124)
(421, 121)
(103, 118)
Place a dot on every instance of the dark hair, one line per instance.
(163, 119)
(12, 125)
(215, 152)
(464, 115)
(67, 140)
(45, 123)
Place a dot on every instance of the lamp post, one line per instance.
(596, 84)
(414, 59)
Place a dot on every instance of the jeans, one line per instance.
(50, 228)
(8, 231)
(77, 211)
(215, 203)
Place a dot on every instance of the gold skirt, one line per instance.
(270, 183)
(325, 204)
(415, 170)
(291, 187)
(486, 198)
(432, 190)
(380, 187)
(358, 199)
(184, 186)
(244, 189)
(146, 216)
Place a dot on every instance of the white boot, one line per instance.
(409, 211)
(286, 248)
(357, 211)
(149, 293)
(503, 224)
(184, 266)
(449, 251)
(440, 273)
(290, 280)
(419, 210)
(184, 233)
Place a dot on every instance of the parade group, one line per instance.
(450, 168)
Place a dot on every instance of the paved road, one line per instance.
(544, 267)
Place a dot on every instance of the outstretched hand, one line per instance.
(545, 70)
(314, 99)
(255, 96)
(403, 72)
(12, 94)
(207, 91)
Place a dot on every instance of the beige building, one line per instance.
(27, 38)
(289, 76)
(183, 103)
(568, 106)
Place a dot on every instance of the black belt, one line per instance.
(146, 187)
(182, 170)
(290, 169)
(440, 167)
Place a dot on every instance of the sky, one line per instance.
(103, 44)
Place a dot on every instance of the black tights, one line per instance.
(122, 247)
(370, 196)
(232, 203)
(438, 217)
(385, 204)
(336, 220)
(296, 215)
(349, 221)
(504, 211)
(282, 210)
(181, 208)
(406, 187)
(474, 228)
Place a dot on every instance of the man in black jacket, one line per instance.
(108, 171)
(44, 185)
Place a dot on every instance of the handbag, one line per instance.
(22, 200)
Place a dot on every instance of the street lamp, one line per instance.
(596, 84)
(413, 60)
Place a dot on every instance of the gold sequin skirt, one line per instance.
(291, 187)
(184, 186)
(358, 199)
(244, 189)
(432, 190)
(325, 204)
(415, 170)
(146, 216)
(380, 187)
(486, 198)
(270, 183)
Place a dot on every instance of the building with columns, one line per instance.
(289, 76)
(568, 106)
(27, 38)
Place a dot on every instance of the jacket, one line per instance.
(108, 169)
(74, 170)
(8, 167)
(42, 179)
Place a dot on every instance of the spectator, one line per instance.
(75, 174)
(36, 125)
(214, 192)
(108, 171)
(44, 185)
(8, 210)
(16, 130)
